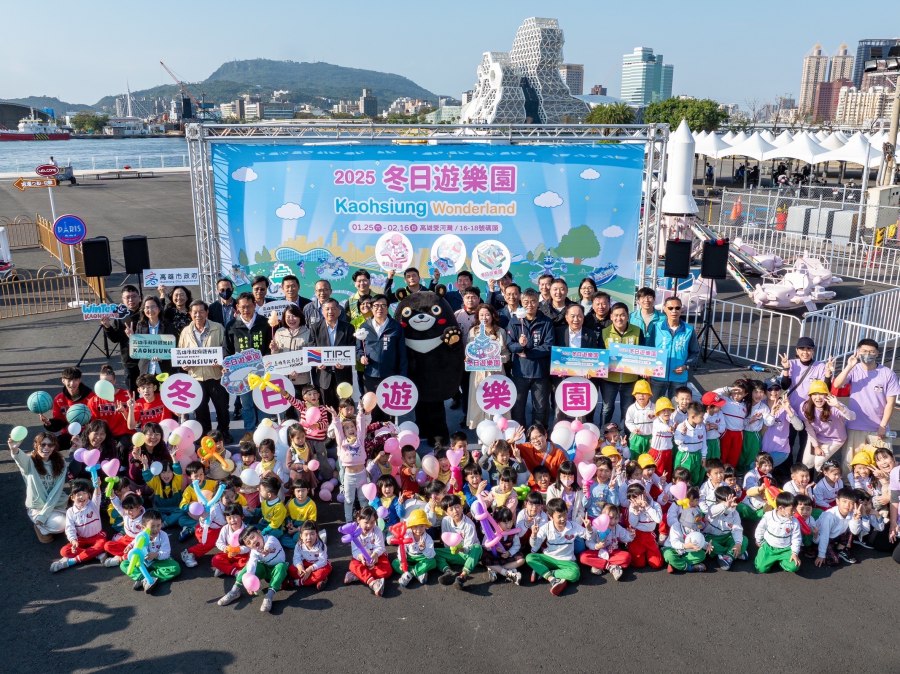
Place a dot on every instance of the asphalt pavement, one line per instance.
(88, 618)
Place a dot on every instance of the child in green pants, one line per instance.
(464, 550)
(420, 551)
(778, 537)
(158, 558)
(557, 563)
(266, 562)
(723, 529)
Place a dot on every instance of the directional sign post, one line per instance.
(47, 170)
(70, 230)
(23, 184)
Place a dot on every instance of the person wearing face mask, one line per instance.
(796, 376)
(873, 393)
(115, 331)
(44, 472)
(222, 310)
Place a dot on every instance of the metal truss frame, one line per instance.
(212, 245)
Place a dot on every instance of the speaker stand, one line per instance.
(105, 349)
(709, 329)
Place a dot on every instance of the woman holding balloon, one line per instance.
(44, 472)
(147, 444)
(95, 437)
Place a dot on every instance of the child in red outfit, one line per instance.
(311, 567)
(234, 556)
(643, 517)
(374, 566)
(603, 553)
(84, 530)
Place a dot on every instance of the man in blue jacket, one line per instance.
(383, 351)
(679, 345)
(530, 341)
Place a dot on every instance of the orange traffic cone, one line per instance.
(737, 210)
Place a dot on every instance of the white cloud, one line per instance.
(589, 174)
(548, 200)
(244, 174)
(613, 231)
(290, 211)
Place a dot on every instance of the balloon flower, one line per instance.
(401, 539)
(138, 553)
(209, 450)
(350, 533)
(207, 504)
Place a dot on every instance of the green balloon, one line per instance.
(18, 433)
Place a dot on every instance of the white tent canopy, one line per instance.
(767, 136)
(854, 151)
(803, 147)
(833, 141)
(712, 146)
(754, 147)
(738, 139)
(782, 139)
(728, 137)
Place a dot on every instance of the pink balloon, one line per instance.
(110, 467)
(587, 471)
(78, 454)
(391, 445)
(454, 456)
(186, 433)
(585, 438)
(502, 423)
(311, 416)
(91, 457)
(576, 426)
(313, 465)
(196, 509)
(431, 466)
(369, 490)
(451, 539)
(408, 438)
(369, 401)
(396, 459)
(168, 425)
(382, 512)
(601, 523)
(679, 490)
(250, 582)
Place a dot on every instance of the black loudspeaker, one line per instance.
(97, 261)
(137, 255)
(715, 259)
(678, 259)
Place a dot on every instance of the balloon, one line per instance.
(601, 523)
(195, 427)
(332, 483)
(341, 498)
(174, 439)
(697, 539)
(679, 490)
(311, 416)
(576, 426)
(250, 582)
(587, 471)
(344, 390)
(74, 428)
(313, 465)
(409, 426)
(369, 490)
(565, 423)
(138, 439)
(196, 509)
(454, 456)
(368, 402)
(502, 423)
(264, 433)
(487, 432)
(408, 438)
(562, 436)
(391, 445)
(451, 539)
(585, 439)
(105, 390)
(593, 429)
(250, 477)
(396, 459)
(156, 467)
(78, 454)
(168, 425)
(186, 433)
(18, 433)
(431, 466)
(267, 422)
(325, 494)
(40, 402)
(91, 457)
(421, 477)
(110, 467)
(383, 512)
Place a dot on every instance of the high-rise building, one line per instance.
(826, 101)
(524, 85)
(368, 104)
(598, 90)
(870, 49)
(841, 65)
(815, 70)
(645, 79)
(573, 76)
(862, 107)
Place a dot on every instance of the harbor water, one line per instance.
(94, 154)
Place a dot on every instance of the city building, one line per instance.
(867, 50)
(467, 96)
(573, 76)
(882, 72)
(444, 114)
(524, 85)
(368, 104)
(826, 101)
(645, 79)
(278, 110)
(841, 67)
(862, 108)
(815, 70)
(598, 90)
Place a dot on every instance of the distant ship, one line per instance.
(31, 128)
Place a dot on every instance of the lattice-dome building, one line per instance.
(524, 85)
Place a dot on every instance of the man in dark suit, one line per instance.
(331, 331)
(222, 310)
(572, 334)
(116, 333)
(383, 351)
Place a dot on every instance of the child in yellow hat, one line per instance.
(639, 419)
(420, 557)
(661, 442)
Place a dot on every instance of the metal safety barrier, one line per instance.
(837, 338)
(21, 231)
(46, 293)
(49, 243)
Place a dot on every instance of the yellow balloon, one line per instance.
(138, 439)
(344, 390)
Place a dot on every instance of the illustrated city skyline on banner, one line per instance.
(322, 212)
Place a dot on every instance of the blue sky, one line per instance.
(728, 52)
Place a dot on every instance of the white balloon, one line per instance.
(409, 426)
(562, 436)
(265, 431)
(250, 477)
(195, 426)
(156, 467)
(74, 428)
(487, 432)
(594, 429)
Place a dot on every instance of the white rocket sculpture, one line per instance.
(677, 197)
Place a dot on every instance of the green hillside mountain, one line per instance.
(316, 83)
(41, 102)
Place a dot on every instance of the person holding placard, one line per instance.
(293, 335)
(488, 316)
(248, 330)
(382, 351)
(152, 323)
(618, 384)
(332, 331)
(116, 332)
(530, 342)
(203, 333)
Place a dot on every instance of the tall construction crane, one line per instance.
(185, 92)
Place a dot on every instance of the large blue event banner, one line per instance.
(324, 211)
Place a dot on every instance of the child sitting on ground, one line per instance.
(157, 556)
(84, 530)
(557, 563)
(311, 567)
(603, 551)
(723, 529)
(233, 556)
(370, 564)
(467, 553)
(266, 562)
(778, 537)
(503, 560)
(685, 547)
(420, 557)
(643, 517)
(531, 514)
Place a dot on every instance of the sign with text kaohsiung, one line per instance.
(322, 212)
